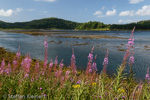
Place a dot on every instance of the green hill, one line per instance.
(141, 25)
(92, 25)
(57, 23)
(46, 23)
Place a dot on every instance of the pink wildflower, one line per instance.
(56, 63)
(147, 74)
(26, 75)
(131, 60)
(90, 59)
(105, 62)
(2, 67)
(46, 53)
(18, 53)
(73, 61)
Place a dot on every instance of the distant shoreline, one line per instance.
(53, 30)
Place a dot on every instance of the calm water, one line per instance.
(62, 47)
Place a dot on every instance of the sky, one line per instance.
(106, 11)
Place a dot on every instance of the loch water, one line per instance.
(62, 47)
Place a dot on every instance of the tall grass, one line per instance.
(26, 80)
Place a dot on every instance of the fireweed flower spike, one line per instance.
(50, 66)
(105, 62)
(94, 66)
(131, 59)
(46, 52)
(147, 74)
(129, 45)
(8, 70)
(18, 53)
(73, 61)
(2, 67)
(26, 63)
(90, 59)
(37, 67)
(67, 74)
(56, 63)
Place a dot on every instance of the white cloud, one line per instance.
(97, 13)
(144, 11)
(111, 13)
(46, 0)
(9, 12)
(18, 10)
(108, 13)
(135, 1)
(127, 13)
(127, 21)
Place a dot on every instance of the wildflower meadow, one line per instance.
(26, 78)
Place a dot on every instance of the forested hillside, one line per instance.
(92, 25)
(46, 23)
(56, 23)
(141, 25)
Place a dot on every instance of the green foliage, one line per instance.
(141, 25)
(46, 23)
(91, 25)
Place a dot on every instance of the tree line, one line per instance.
(56, 23)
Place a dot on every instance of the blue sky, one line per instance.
(107, 11)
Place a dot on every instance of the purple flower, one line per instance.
(14, 62)
(79, 81)
(90, 57)
(56, 61)
(51, 64)
(131, 60)
(37, 65)
(18, 53)
(123, 97)
(67, 73)
(105, 62)
(73, 61)
(94, 67)
(44, 95)
(131, 42)
(56, 73)
(45, 42)
(147, 75)
(2, 64)
(61, 64)
(71, 79)
(7, 71)
(90, 70)
(32, 80)
(40, 88)
(26, 75)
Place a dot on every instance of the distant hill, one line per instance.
(57, 23)
(141, 25)
(46, 23)
(92, 25)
